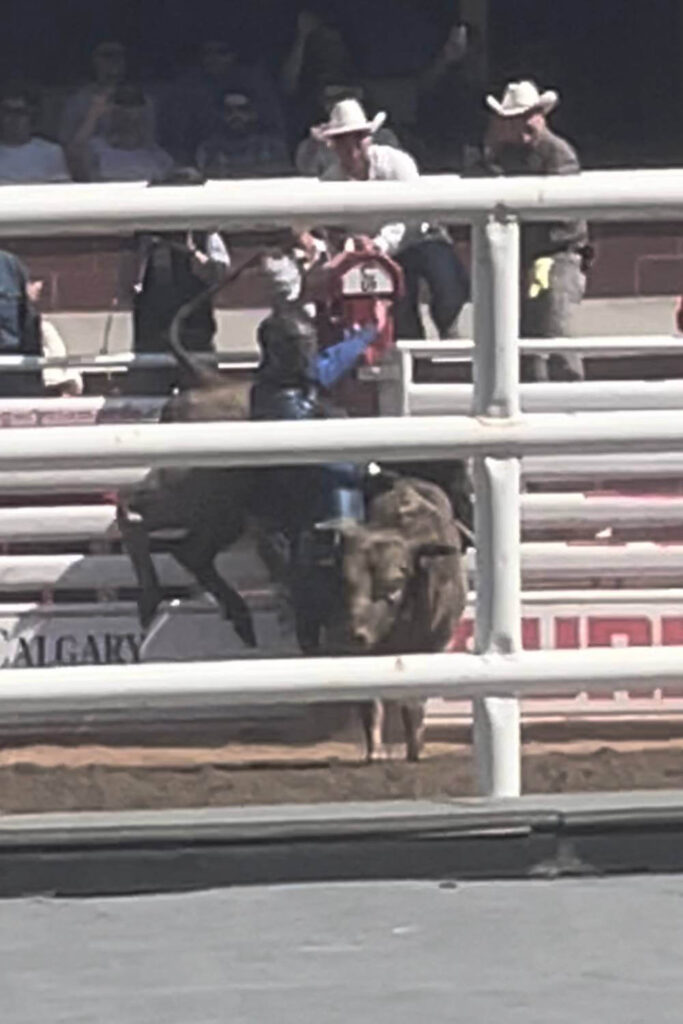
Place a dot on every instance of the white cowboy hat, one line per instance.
(348, 116)
(521, 98)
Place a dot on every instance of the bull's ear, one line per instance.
(435, 550)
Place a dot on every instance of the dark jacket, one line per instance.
(19, 320)
(291, 371)
(167, 283)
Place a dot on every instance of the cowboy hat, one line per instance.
(348, 116)
(522, 98)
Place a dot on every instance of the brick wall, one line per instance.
(83, 274)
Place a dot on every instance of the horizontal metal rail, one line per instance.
(129, 207)
(84, 410)
(646, 600)
(356, 440)
(581, 396)
(441, 351)
(548, 470)
(150, 688)
(121, 361)
(598, 346)
(544, 470)
(540, 561)
(539, 512)
(583, 511)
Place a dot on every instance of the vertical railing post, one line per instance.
(496, 728)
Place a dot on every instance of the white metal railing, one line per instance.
(496, 436)
(120, 362)
(439, 352)
(598, 346)
(539, 512)
(401, 395)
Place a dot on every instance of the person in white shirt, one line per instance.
(314, 156)
(26, 159)
(61, 382)
(109, 70)
(124, 152)
(425, 253)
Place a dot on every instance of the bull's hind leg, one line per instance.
(135, 540)
(413, 715)
(200, 563)
(372, 718)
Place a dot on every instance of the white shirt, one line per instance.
(35, 162)
(109, 163)
(314, 156)
(386, 164)
(54, 347)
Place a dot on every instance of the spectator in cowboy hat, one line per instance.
(313, 154)
(425, 253)
(555, 255)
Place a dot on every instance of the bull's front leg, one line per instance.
(372, 717)
(135, 540)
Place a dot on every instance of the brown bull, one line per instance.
(402, 589)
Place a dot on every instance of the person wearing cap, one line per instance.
(240, 146)
(424, 252)
(92, 101)
(25, 158)
(554, 255)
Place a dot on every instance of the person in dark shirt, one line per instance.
(188, 108)
(450, 91)
(554, 254)
(173, 269)
(20, 333)
(240, 146)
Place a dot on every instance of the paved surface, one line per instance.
(584, 952)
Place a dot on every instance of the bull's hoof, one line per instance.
(377, 756)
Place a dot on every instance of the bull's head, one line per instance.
(378, 569)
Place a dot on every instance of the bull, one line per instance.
(398, 587)
(207, 506)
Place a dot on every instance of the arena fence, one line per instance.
(496, 435)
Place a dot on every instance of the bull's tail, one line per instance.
(195, 373)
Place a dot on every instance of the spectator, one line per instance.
(318, 57)
(61, 383)
(240, 146)
(425, 253)
(554, 255)
(24, 157)
(450, 98)
(19, 328)
(314, 156)
(124, 152)
(90, 102)
(173, 269)
(187, 112)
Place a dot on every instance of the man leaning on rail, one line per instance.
(554, 255)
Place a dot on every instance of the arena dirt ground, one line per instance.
(96, 777)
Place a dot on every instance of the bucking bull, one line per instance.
(394, 584)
